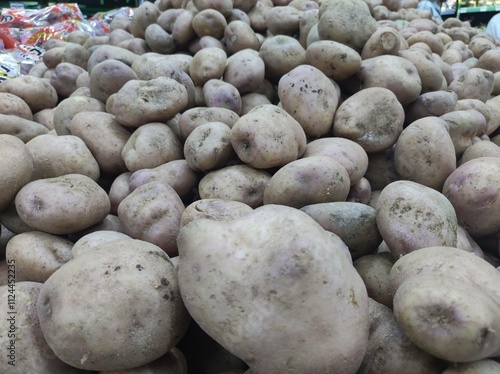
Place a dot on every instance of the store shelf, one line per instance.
(479, 9)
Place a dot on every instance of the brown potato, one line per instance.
(64, 78)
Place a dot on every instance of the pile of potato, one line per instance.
(254, 186)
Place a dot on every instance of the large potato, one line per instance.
(240, 183)
(474, 191)
(139, 102)
(16, 168)
(310, 97)
(253, 267)
(310, 180)
(425, 153)
(475, 83)
(267, 137)
(152, 212)
(137, 305)
(62, 205)
(372, 117)
(411, 216)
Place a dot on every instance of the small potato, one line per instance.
(476, 202)
(142, 300)
(158, 40)
(177, 174)
(157, 141)
(30, 349)
(208, 63)
(139, 102)
(216, 209)
(267, 137)
(223, 6)
(13, 152)
(55, 156)
(463, 126)
(489, 60)
(75, 54)
(194, 117)
(183, 31)
(144, 15)
(350, 154)
(480, 149)
(209, 22)
(12, 104)
(429, 38)
(283, 20)
(384, 41)
(372, 117)
(52, 57)
(62, 205)
(310, 180)
(116, 36)
(94, 240)
(239, 36)
(245, 70)
(208, 146)
(431, 104)
(104, 137)
(220, 94)
(360, 192)
(37, 255)
(475, 83)
(152, 212)
(281, 53)
(411, 216)
(108, 77)
(310, 97)
(69, 107)
(34, 91)
(21, 128)
(375, 271)
(425, 153)
(354, 223)
(235, 183)
(252, 100)
(64, 78)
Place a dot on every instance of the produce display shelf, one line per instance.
(479, 9)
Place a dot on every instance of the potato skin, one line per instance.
(62, 205)
(35, 91)
(336, 60)
(145, 305)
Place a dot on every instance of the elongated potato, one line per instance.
(336, 60)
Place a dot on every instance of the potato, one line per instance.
(158, 40)
(463, 126)
(310, 180)
(483, 366)
(94, 240)
(55, 156)
(360, 192)
(183, 31)
(480, 149)
(281, 53)
(384, 41)
(147, 306)
(172, 362)
(220, 94)
(431, 104)
(64, 78)
(494, 109)
(36, 92)
(475, 83)
(373, 118)
(69, 107)
(15, 105)
(268, 137)
(13, 152)
(308, 21)
(104, 137)
(310, 98)
(37, 255)
(144, 15)
(108, 77)
(110, 52)
(216, 209)
(489, 60)
(252, 100)
(240, 183)
(139, 102)
(283, 20)
(348, 220)
(375, 269)
(411, 216)
(157, 141)
(118, 190)
(257, 15)
(347, 22)
(424, 153)
(445, 303)
(53, 56)
(208, 63)
(21, 128)
(194, 117)
(350, 154)
(110, 223)
(209, 22)
(25, 345)
(245, 70)
(62, 205)
(473, 191)
(167, 18)
(116, 36)
(389, 349)
(95, 41)
(152, 212)
(10, 219)
(394, 73)
(430, 73)
(208, 146)
(238, 36)
(223, 6)
(429, 38)
(177, 174)
(75, 54)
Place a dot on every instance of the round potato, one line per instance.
(108, 77)
(208, 63)
(245, 70)
(220, 94)
(67, 108)
(138, 297)
(62, 205)
(12, 104)
(281, 53)
(36, 92)
(336, 60)
(209, 22)
(238, 36)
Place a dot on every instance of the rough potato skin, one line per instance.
(113, 308)
(252, 269)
